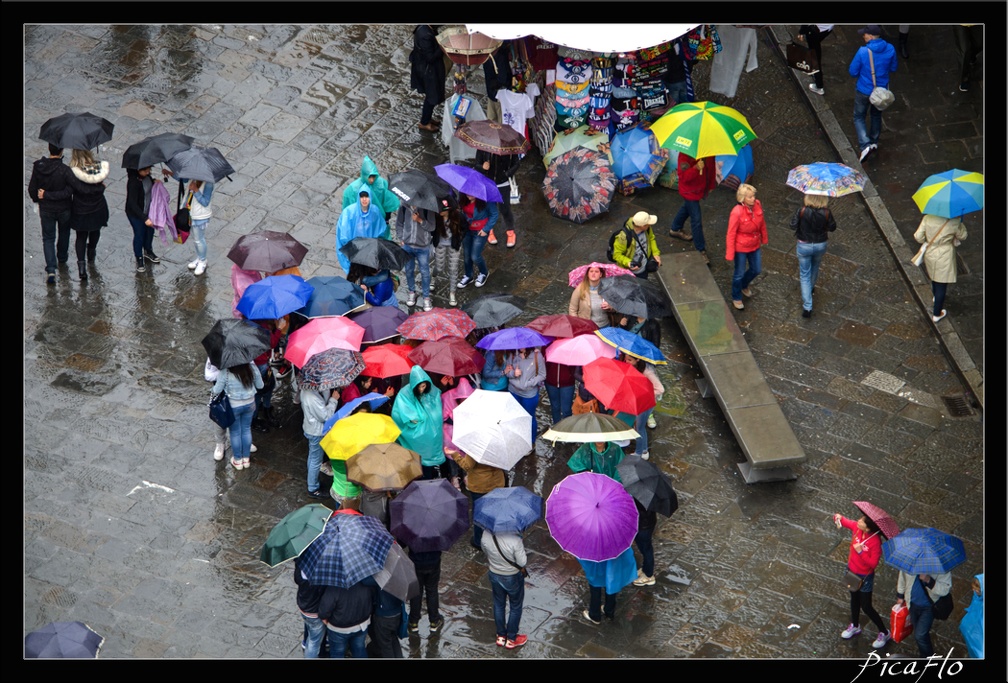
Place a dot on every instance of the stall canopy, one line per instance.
(604, 38)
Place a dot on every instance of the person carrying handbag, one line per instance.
(942, 237)
(863, 558)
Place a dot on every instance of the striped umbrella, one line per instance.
(703, 129)
(951, 194)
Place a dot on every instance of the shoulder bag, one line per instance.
(220, 410)
(852, 581)
(919, 256)
(183, 221)
(522, 570)
(942, 607)
(880, 97)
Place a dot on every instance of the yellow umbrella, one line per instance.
(703, 129)
(354, 433)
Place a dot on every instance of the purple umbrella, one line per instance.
(469, 181)
(591, 516)
(512, 338)
(379, 322)
(429, 515)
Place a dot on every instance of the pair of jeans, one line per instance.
(862, 107)
(743, 276)
(645, 544)
(810, 254)
(338, 643)
(938, 289)
(241, 430)
(691, 209)
(86, 243)
(530, 404)
(510, 588)
(922, 617)
(472, 253)
(55, 249)
(561, 401)
(143, 236)
(315, 630)
(315, 456)
(428, 576)
(640, 424)
(421, 256)
(264, 396)
(595, 609)
(198, 235)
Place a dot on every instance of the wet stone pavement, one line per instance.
(133, 528)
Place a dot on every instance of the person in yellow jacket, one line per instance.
(638, 251)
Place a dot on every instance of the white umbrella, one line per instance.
(592, 37)
(492, 428)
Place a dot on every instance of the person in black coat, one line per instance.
(427, 73)
(496, 75)
(346, 613)
(89, 211)
(49, 187)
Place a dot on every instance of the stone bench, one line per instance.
(729, 370)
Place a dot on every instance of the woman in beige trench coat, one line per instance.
(940, 257)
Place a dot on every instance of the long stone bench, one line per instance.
(729, 370)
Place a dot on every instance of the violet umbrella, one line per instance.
(591, 516)
(429, 515)
(511, 338)
(469, 181)
(379, 322)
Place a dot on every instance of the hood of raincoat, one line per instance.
(368, 168)
(419, 420)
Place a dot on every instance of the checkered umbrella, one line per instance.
(351, 548)
(924, 551)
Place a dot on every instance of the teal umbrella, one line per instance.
(294, 533)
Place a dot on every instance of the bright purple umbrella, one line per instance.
(591, 516)
(469, 181)
(511, 338)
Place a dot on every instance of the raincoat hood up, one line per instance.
(354, 222)
(380, 194)
(419, 419)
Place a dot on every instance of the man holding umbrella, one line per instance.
(50, 189)
(506, 558)
(920, 592)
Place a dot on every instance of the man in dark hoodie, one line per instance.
(50, 189)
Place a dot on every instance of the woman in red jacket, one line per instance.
(747, 232)
(696, 180)
(864, 556)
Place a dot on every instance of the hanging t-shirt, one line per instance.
(542, 54)
(516, 108)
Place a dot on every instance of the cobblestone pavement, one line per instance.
(132, 527)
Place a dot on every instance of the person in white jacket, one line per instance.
(317, 406)
(919, 592)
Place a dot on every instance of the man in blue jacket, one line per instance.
(884, 56)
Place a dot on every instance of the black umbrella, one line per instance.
(631, 295)
(76, 131)
(233, 341)
(378, 253)
(648, 485)
(267, 250)
(200, 163)
(492, 310)
(420, 190)
(156, 149)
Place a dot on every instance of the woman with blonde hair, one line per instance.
(89, 211)
(812, 223)
(586, 302)
(747, 232)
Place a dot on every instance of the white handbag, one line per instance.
(880, 98)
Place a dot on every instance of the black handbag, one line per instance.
(802, 58)
(852, 581)
(942, 607)
(220, 410)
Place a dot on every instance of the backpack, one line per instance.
(612, 241)
(942, 607)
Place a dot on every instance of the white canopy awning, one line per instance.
(589, 37)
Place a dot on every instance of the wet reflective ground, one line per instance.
(133, 528)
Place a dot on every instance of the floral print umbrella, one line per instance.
(331, 369)
(579, 185)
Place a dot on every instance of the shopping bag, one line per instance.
(899, 622)
(802, 58)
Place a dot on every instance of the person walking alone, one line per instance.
(919, 592)
(871, 66)
(747, 232)
(50, 189)
(814, 35)
(942, 237)
(812, 224)
(500, 168)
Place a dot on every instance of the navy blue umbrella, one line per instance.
(63, 640)
(331, 296)
(351, 548)
(510, 508)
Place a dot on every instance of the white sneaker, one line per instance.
(865, 152)
(880, 641)
(645, 455)
(850, 631)
(326, 468)
(218, 453)
(252, 448)
(936, 318)
(643, 580)
(481, 279)
(651, 423)
(200, 268)
(192, 264)
(817, 91)
(451, 299)
(427, 305)
(411, 299)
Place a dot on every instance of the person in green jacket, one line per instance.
(417, 413)
(600, 457)
(638, 251)
(381, 197)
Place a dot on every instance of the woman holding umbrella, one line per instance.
(240, 383)
(586, 302)
(500, 168)
(942, 237)
(863, 558)
(88, 210)
(812, 223)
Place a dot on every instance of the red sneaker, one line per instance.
(501, 640)
(519, 640)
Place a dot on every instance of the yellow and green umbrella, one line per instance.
(951, 194)
(352, 434)
(703, 129)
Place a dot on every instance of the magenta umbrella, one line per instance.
(591, 516)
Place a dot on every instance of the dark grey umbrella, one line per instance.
(420, 190)
(493, 310)
(76, 131)
(648, 485)
(378, 253)
(200, 163)
(631, 295)
(233, 341)
(156, 149)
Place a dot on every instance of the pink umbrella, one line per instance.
(436, 324)
(320, 334)
(240, 279)
(575, 277)
(449, 401)
(591, 516)
(579, 350)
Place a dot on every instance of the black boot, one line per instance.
(269, 417)
(91, 255)
(903, 45)
(82, 270)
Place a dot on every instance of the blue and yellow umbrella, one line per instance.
(703, 129)
(951, 194)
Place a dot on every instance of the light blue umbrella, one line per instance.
(632, 344)
(734, 170)
(924, 551)
(374, 400)
(951, 194)
(637, 158)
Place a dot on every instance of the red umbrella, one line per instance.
(436, 323)
(882, 519)
(449, 356)
(619, 386)
(319, 334)
(561, 325)
(387, 360)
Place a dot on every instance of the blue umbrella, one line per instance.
(924, 551)
(951, 194)
(351, 548)
(735, 169)
(511, 338)
(511, 508)
(632, 344)
(469, 181)
(374, 400)
(63, 640)
(331, 296)
(274, 297)
(637, 158)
